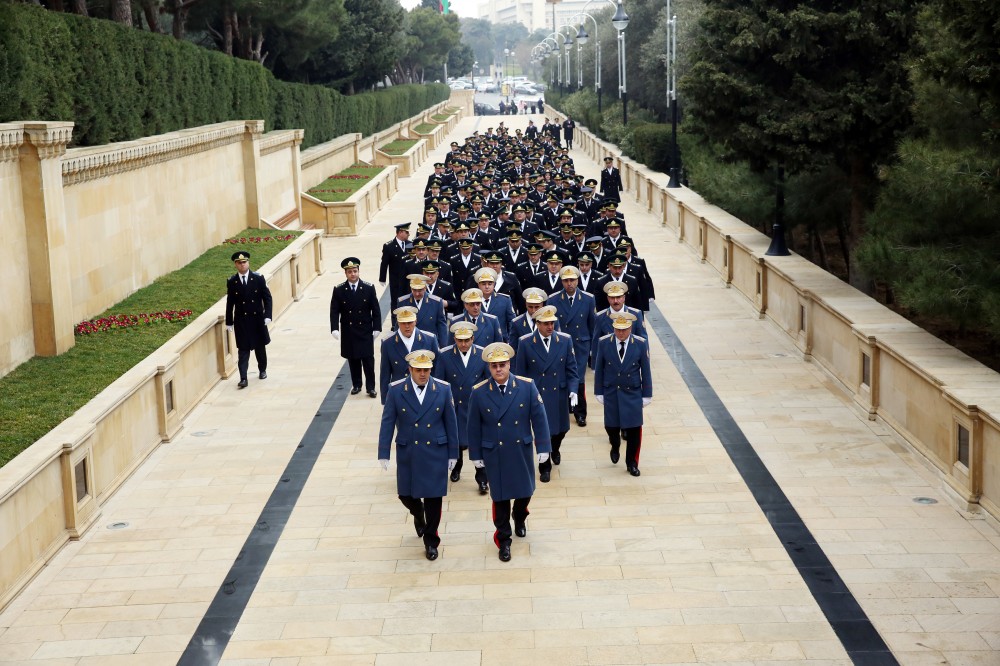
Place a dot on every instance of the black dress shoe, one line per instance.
(263, 374)
(372, 393)
(455, 475)
(243, 384)
(483, 488)
(356, 390)
(633, 470)
(615, 456)
(581, 420)
(419, 525)
(431, 552)
(556, 458)
(544, 477)
(505, 553)
(520, 529)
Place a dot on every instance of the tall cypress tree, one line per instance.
(800, 84)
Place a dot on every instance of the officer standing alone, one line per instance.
(354, 308)
(248, 310)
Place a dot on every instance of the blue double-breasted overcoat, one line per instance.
(604, 324)
(487, 328)
(426, 436)
(394, 365)
(448, 367)
(431, 315)
(554, 373)
(505, 431)
(622, 382)
(576, 320)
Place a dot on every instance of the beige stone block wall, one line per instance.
(17, 340)
(278, 175)
(127, 434)
(322, 161)
(130, 229)
(833, 345)
(991, 466)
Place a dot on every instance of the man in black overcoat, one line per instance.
(354, 308)
(394, 260)
(248, 311)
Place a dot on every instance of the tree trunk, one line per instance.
(56, 6)
(121, 12)
(228, 21)
(151, 11)
(80, 7)
(821, 246)
(858, 184)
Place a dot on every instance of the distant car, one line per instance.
(487, 87)
(484, 109)
(525, 89)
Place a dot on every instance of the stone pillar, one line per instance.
(297, 171)
(251, 169)
(45, 226)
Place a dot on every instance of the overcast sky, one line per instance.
(461, 7)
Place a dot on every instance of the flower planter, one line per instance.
(407, 162)
(347, 218)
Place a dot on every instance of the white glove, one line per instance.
(600, 399)
(335, 334)
(229, 328)
(646, 401)
(375, 334)
(384, 463)
(573, 399)
(478, 464)
(267, 321)
(651, 300)
(543, 457)
(451, 463)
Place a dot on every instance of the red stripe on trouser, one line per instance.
(495, 532)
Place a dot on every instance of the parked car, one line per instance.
(484, 109)
(487, 86)
(525, 89)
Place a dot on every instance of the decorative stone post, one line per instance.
(45, 229)
(251, 169)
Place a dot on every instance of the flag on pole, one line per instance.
(444, 6)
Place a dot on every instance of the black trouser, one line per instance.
(502, 513)
(480, 471)
(556, 443)
(243, 360)
(569, 144)
(581, 400)
(633, 442)
(356, 365)
(430, 508)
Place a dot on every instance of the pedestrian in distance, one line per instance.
(248, 313)
(354, 308)
(508, 432)
(623, 384)
(421, 411)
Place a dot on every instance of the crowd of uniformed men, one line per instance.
(519, 276)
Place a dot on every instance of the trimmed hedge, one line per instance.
(653, 144)
(119, 83)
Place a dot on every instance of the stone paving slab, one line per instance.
(677, 566)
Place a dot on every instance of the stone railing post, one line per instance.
(40, 157)
(251, 171)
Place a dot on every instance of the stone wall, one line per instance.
(17, 341)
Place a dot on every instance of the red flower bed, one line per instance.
(349, 176)
(243, 240)
(122, 321)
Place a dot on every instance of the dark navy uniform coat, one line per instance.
(578, 321)
(520, 327)
(501, 431)
(426, 436)
(623, 383)
(554, 373)
(356, 313)
(394, 364)
(501, 307)
(246, 309)
(605, 325)
(448, 367)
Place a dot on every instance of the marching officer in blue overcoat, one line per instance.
(499, 305)
(487, 325)
(422, 412)
(462, 366)
(248, 310)
(507, 426)
(430, 309)
(623, 384)
(524, 323)
(354, 308)
(577, 317)
(547, 358)
(406, 339)
(615, 294)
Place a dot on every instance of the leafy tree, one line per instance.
(479, 34)
(430, 36)
(798, 84)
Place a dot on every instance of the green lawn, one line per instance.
(441, 117)
(425, 128)
(339, 187)
(399, 146)
(43, 392)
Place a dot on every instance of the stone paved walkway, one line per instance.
(677, 566)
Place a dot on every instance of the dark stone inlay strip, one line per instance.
(223, 615)
(859, 637)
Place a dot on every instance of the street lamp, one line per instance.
(582, 38)
(567, 47)
(506, 56)
(672, 97)
(620, 21)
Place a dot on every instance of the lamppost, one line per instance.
(567, 46)
(620, 21)
(582, 38)
(675, 161)
(506, 61)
